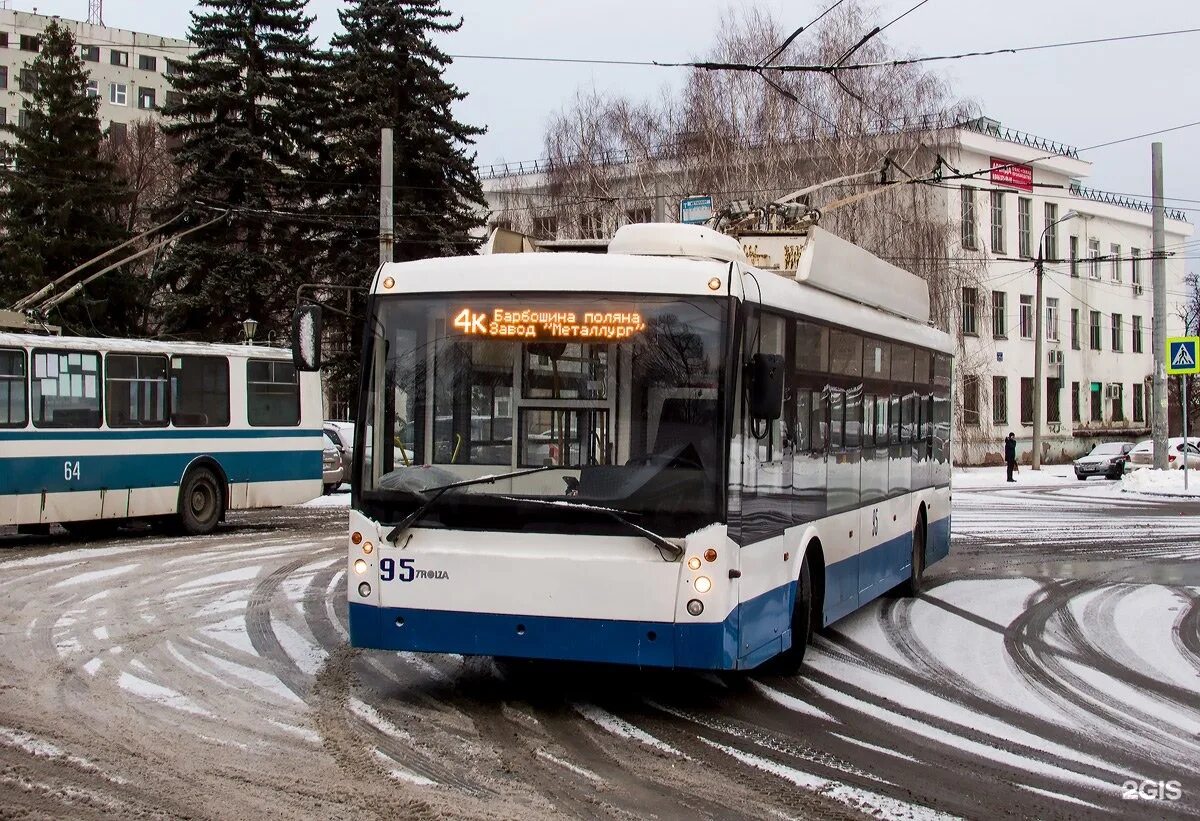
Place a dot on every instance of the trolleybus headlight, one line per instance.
(695, 606)
(356, 537)
(360, 566)
(694, 563)
(364, 589)
(389, 283)
(368, 547)
(714, 284)
(703, 584)
(710, 555)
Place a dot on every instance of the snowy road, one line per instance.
(1054, 658)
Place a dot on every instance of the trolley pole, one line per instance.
(387, 225)
(1158, 415)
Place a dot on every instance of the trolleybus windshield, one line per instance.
(620, 398)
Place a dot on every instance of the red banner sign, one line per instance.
(1013, 175)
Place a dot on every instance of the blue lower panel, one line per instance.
(35, 474)
(645, 644)
(938, 546)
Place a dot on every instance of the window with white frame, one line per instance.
(967, 197)
(970, 307)
(1135, 267)
(1026, 316)
(1051, 230)
(1074, 250)
(1094, 258)
(1052, 318)
(118, 93)
(1114, 260)
(93, 88)
(1117, 331)
(999, 315)
(997, 222)
(1137, 334)
(1024, 226)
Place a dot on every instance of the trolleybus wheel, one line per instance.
(911, 588)
(788, 662)
(200, 502)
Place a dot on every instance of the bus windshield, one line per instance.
(619, 399)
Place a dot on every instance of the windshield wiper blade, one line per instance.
(437, 492)
(661, 542)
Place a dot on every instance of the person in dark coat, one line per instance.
(1010, 454)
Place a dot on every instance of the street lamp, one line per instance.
(249, 326)
(1038, 363)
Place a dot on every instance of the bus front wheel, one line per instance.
(200, 502)
(911, 587)
(788, 662)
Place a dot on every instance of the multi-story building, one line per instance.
(1097, 301)
(129, 71)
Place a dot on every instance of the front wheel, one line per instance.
(788, 662)
(916, 579)
(200, 502)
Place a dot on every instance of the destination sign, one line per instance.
(540, 323)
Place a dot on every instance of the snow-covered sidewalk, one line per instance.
(1161, 483)
(995, 477)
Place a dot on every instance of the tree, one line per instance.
(244, 122)
(387, 72)
(59, 198)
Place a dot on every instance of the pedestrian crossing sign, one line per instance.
(1183, 354)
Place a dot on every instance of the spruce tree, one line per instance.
(59, 197)
(245, 132)
(387, 73)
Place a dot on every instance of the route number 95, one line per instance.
(388, 567)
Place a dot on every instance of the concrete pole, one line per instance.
(660, 204)
(1038, 364)
(1158, 407)
(387, 225)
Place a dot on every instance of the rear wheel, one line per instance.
(916, 579)
(201, 502)
(788, 662)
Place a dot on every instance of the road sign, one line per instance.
(695, 210)
(1183, 354)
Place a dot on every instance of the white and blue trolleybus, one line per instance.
(657, 456)
(96, 432)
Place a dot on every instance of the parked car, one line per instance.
(342, 434)
(1107, 460)
(1142, 454)
(333, 470)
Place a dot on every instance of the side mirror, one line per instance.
(306, 338)
(764, 376)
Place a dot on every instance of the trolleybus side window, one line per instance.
(272, 393)
(66, 389)
(135, 391)
(13, 412)
(199, 391)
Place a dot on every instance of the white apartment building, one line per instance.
(1097, 300)
(1098, 306)
(129, 71)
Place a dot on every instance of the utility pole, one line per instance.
(1038, 354)
(1158, 415)
(660, 204)
(387, 224)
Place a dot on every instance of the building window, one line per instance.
(1052, 318)
(3, 39)
(1116, 333)
(92, 89)
(1114, 255)
(999, 315)
(970, 386)
(147, 63)
(1024, 226)
(1094, 341)
(1074, 329)
(543, 227)
(1026, 400)
(1097, 408)
(999, 400)
(172, 68)
(1073, 243)
(1075, 402)
(174, 98)
(1051, 230)
(1139, 410)
(589, 225)
(970, 326)
(90, 53)
(146, 98)
(1135, 268)
(1094, 258)
(967, 197)
(30, 43)
(1137, 334)
(119, 58)
(1026, 316)
(23, 118)
(997, 222)
(3, 116)
(117, 93)
(1053, 412)
(1118, 401)
(28, 81)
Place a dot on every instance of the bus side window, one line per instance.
(837, 415)
(135, 390)
(272, 393)
(66, 389)
(13, 389)
(819, 436)
(199, 391)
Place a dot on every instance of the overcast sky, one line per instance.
(1081, 96)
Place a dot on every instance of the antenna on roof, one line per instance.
(96, 12)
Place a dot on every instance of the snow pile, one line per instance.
(1161, 482)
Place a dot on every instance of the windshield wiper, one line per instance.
(661, 542)
(438, 491)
